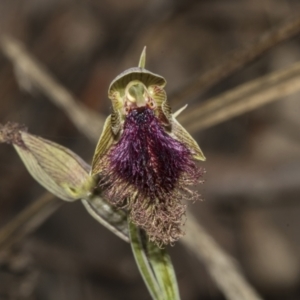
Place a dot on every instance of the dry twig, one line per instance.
(237, 60)
(28, 220)
(31, 73)
(220, 265)
(244, 98)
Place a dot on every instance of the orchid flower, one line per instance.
(145, 160)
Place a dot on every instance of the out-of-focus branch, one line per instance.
(220, 265)
(244, 98)
(31, 74)
(257, 184)
(237, 60)
(28, 220)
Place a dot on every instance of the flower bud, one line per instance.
(144, 158)
(55, 167)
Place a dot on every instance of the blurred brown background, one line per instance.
(251, 195)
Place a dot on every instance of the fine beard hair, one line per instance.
(148, 172)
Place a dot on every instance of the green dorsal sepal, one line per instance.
(142, 62)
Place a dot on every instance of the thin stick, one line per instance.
(222, 268)
(237, 60)
(28, 220)
(244, 98)
(32, 74)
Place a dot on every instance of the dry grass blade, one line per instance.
(28, 220)
(32, 74)
(244, 98)
(237, 60)
(220, 265)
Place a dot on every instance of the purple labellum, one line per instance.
(148, 172)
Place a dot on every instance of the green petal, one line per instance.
(180, 134)
(106, 139)
(158, 94)
(115, 122)
(167, 111)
